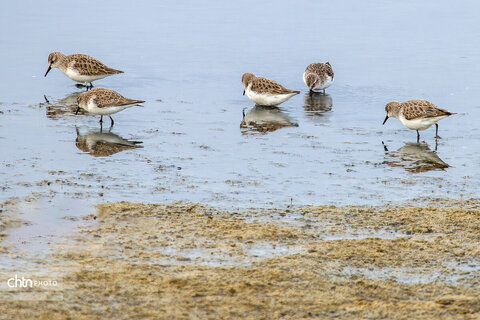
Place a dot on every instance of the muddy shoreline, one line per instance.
(181, 260)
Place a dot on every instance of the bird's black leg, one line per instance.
(111, 125)
(436, 131)
(101, 118)
(311, 93)
(78, 109)
(418, 137)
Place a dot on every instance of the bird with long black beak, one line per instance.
(79, 67)
(104, 102)
(265, 92)
(416, 114)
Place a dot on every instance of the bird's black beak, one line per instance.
(243, 92)
(48, 70)
(78, 109)
(386, 118)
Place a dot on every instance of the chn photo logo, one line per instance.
(23, 282)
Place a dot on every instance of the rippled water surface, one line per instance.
(202, 140)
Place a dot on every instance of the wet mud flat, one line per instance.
(191, 261)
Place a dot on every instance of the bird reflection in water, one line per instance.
(415, 158)
(316, 103)
(63, 107)
(265, 119)
(103, 144)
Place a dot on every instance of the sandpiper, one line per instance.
(80, 67)
(104, 102)
(265, 92)
(416, 114)
(318, 76)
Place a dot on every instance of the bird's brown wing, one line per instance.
(89, 66)
(264, 85)
(414, 109)
(108, 98)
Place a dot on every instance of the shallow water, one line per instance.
(197, 139)
(186, 61)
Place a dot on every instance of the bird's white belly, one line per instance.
(76, 76)
(419, 124)
(266, 99)
(93, 108)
